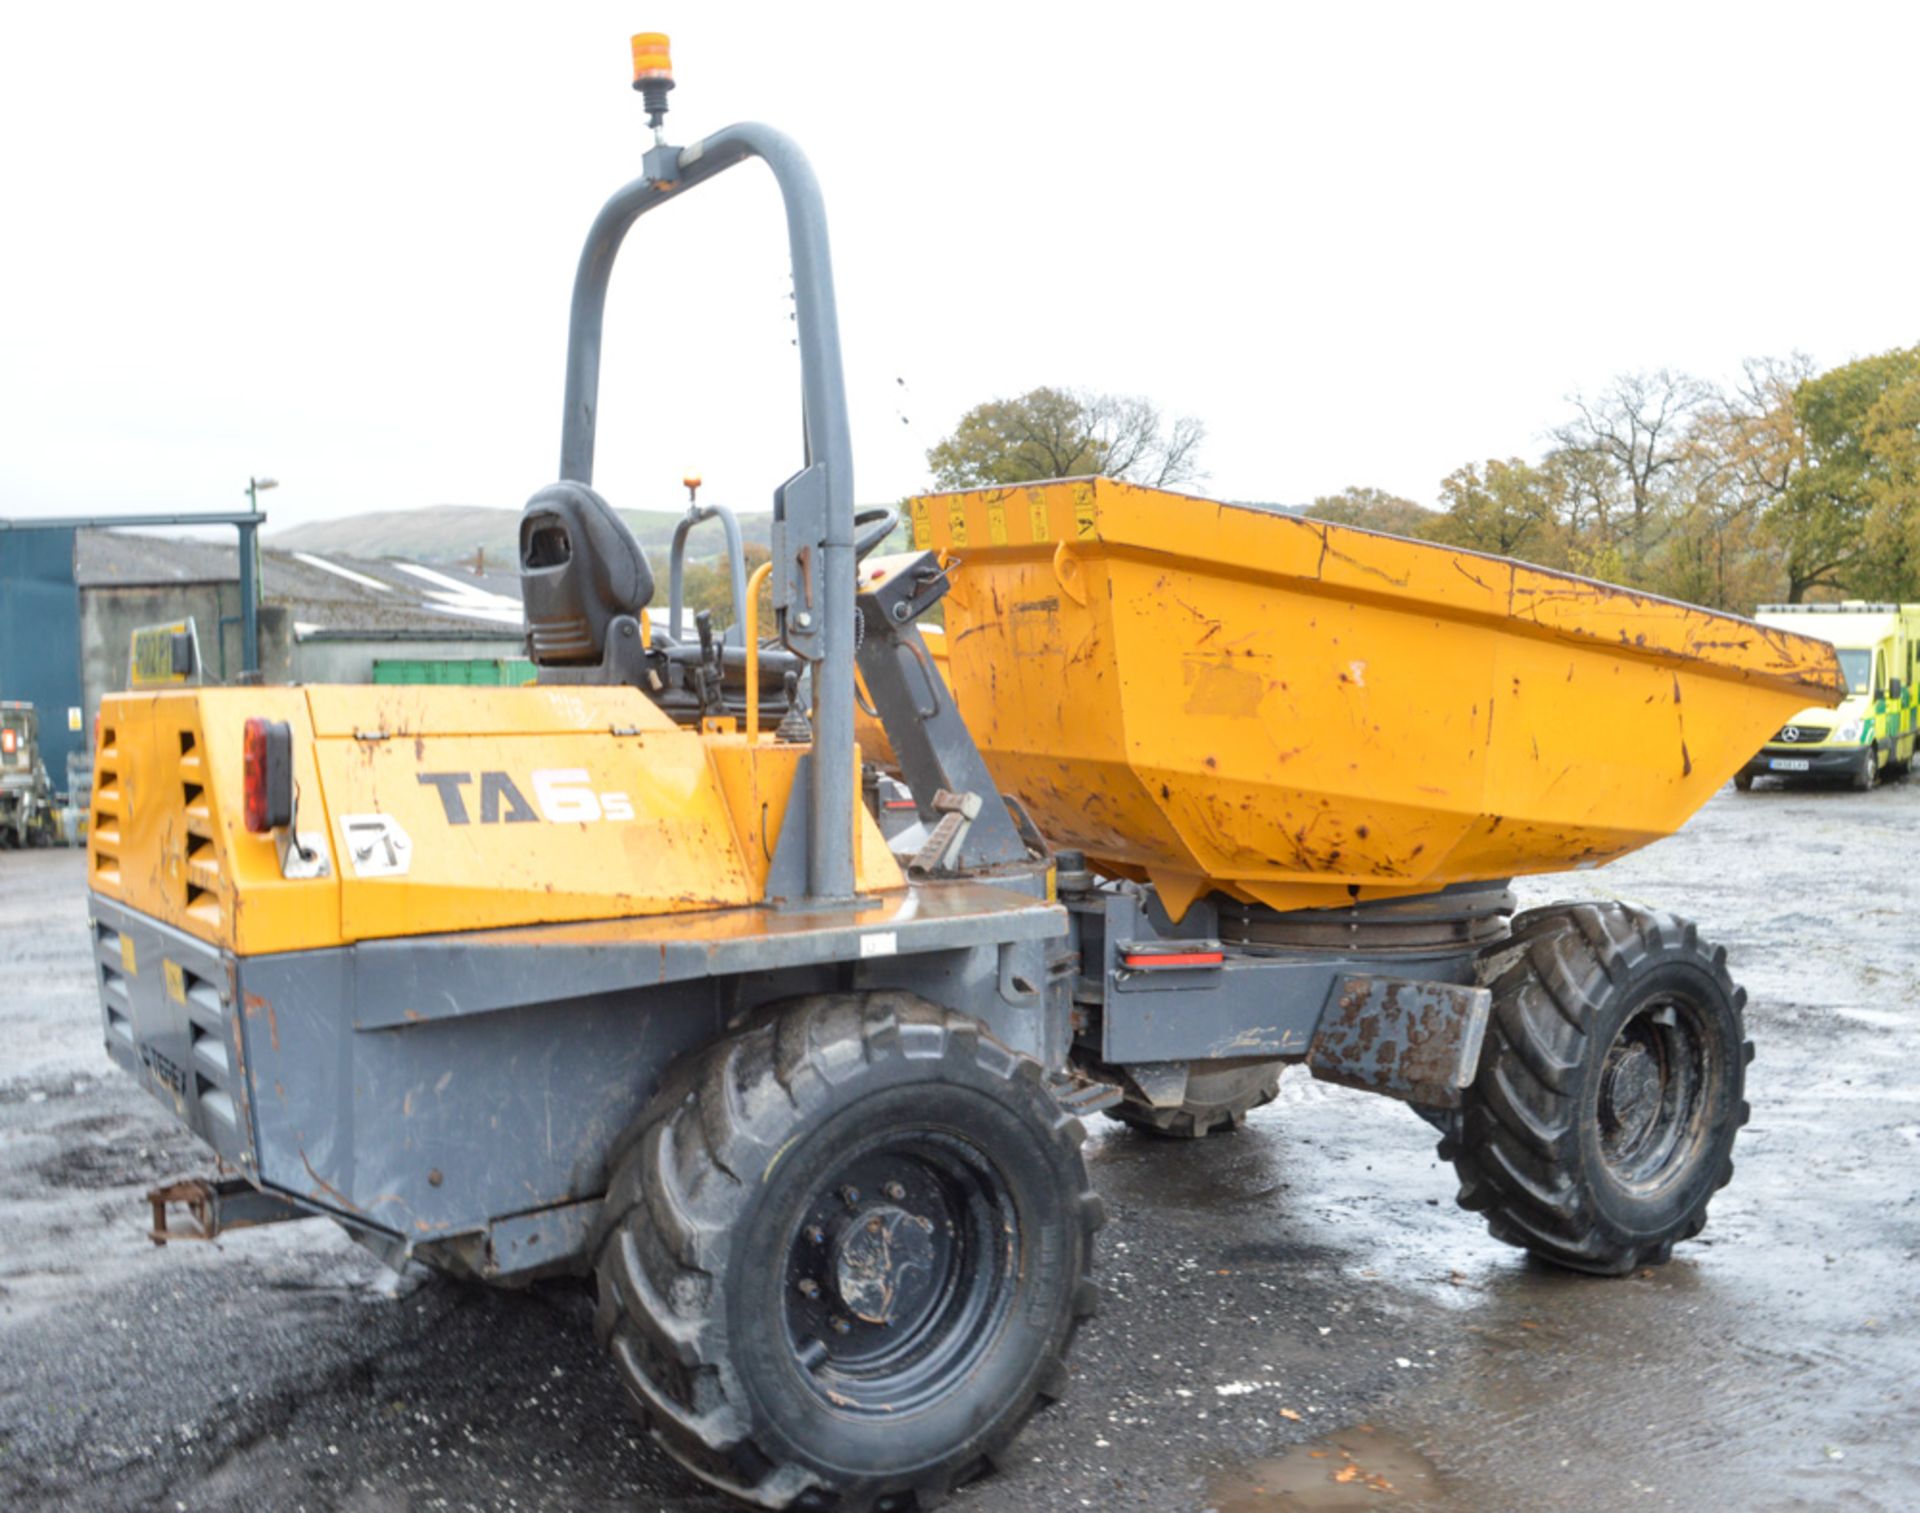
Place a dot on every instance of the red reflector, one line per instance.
(256, 777)
(267, 766)
(1140, 959)
(898, 804)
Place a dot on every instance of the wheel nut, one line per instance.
(816, 1235)
(850, 1196)
(809, 1288)
(895, 1191)
(841, 1326)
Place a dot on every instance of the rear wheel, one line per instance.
(844, 1255)
(1217, 1102)
(1603, 1115)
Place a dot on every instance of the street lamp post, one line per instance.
(250, 578)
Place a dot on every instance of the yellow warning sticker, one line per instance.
(1082, 511)
(922, 524)
(176, 982)
(127, 963)
(957, 522)
(997, 522)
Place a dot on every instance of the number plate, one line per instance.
(1789, 764)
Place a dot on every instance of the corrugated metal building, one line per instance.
(323, 619)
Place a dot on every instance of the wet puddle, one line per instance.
(1362, 1467)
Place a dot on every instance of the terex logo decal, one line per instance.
(564, 795)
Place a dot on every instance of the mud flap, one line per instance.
(1417, 1041)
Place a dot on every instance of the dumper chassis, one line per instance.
(817, 1138)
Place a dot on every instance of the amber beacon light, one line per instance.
(653, 73)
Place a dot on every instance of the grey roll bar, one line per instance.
(813, 569)
(677, 564)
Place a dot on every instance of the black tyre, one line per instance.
(1218, 1102)
(1743, 781)
(1868, 772)
(1610, 1088)
(843, 1255)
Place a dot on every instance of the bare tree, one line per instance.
(1636, 431)
(1767, 442)
(1127, 431)
(1067, 433)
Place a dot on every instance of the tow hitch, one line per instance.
(214, 1205)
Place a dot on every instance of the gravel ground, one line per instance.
(1280, 1304)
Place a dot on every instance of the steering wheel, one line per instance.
(871, 526)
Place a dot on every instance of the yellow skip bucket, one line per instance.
(1302, 714)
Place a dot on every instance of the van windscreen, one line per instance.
(1857, 666)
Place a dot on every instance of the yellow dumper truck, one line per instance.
(1874, 729)
(619, 976)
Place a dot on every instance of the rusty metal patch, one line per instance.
(1418, 1041)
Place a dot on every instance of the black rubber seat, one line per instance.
(580, 570)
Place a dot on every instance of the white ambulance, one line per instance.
(1873, 732)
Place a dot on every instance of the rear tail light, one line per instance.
(269, 775)
(1173, 959)
(9, 741)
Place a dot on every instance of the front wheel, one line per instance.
(1602, 1119)
(1868, 772)
(844, 1254)
(1743, 781)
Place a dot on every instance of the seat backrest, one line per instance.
(580, 569)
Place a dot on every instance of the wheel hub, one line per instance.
(883, 1264)
(901, 1260)
(1630, 1093)
(1651, 1094)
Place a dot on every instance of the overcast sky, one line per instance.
(1364, 244)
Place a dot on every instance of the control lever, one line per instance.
(708, 676)
(795, 730)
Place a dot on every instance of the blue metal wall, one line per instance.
(40, 637)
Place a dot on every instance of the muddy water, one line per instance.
(1353, 1469)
